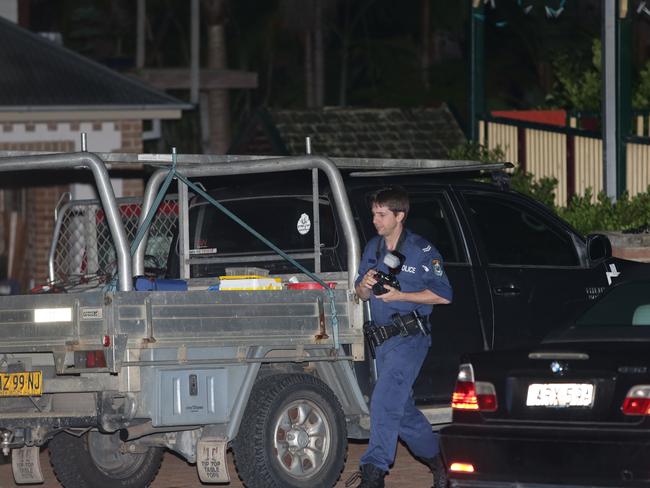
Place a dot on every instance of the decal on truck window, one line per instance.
(201, 252)
(304, 224)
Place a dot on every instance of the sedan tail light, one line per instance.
(473, 395)
(637, 401)
(461, 468)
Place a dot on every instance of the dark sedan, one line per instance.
(573, 411)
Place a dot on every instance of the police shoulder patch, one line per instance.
(437, 267)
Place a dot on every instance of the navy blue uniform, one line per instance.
(399, 359)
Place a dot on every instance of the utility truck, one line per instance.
(109, 377)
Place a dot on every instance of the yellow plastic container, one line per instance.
(249, 283)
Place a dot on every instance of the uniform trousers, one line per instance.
(392, 409)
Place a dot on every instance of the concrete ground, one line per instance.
(176, 473)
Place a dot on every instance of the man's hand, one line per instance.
(392, 295)
(364, 288)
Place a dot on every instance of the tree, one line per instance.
(218, 100)
(578, 84)
(307, 19)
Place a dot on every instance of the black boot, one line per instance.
(438, 469)
(371, 477)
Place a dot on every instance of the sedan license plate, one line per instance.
(560, 395)
(28, 383)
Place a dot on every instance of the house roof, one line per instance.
(38, 75)
(423, 133)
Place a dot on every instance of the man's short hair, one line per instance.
(395, 198)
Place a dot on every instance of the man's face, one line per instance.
(385, 221)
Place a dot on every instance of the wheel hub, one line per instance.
(302, 439)
(297, 438)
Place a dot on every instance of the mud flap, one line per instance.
(26, 465)
(211, 460)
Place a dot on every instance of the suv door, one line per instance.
(455, 328)
(535, 265)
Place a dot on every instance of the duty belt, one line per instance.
(403, 325)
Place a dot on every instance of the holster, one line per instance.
(404, 325)
(368, 332)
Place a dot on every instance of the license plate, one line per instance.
(28, 383)
(560, 395)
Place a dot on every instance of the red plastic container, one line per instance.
(309, 285)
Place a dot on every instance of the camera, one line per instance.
(394, 262)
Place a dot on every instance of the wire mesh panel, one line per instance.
(83, 249)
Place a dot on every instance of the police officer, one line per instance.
(399, 333)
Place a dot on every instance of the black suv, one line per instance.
(517, 269)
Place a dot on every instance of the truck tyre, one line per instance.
(94, 460)
(292, 435)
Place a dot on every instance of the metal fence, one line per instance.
(82, 251)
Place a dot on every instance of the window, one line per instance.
(514, 234)
(430, 218)
(623, 306)
(286, 221)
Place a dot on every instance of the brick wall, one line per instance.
(38, 221)
(635, 247)
(42, 197)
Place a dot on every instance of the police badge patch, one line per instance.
(437, 267)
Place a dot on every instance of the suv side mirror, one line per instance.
(598, 247)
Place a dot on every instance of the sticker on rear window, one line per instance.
(304, 224)
(200, 252)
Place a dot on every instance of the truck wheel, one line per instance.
(94, 460)
(292, 434)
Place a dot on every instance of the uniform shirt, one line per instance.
(422, 269)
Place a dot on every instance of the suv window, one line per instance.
(515, 234)
(430, 217)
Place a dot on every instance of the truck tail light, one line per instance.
(95, 359)
(89, 359)
(637, 401)
(473, 395)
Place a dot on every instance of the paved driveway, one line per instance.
(176, 473)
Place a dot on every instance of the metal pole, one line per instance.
(315, 194)
(477, 67)
(609, 97)
(623, 91)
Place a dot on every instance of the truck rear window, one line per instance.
(287, 221)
